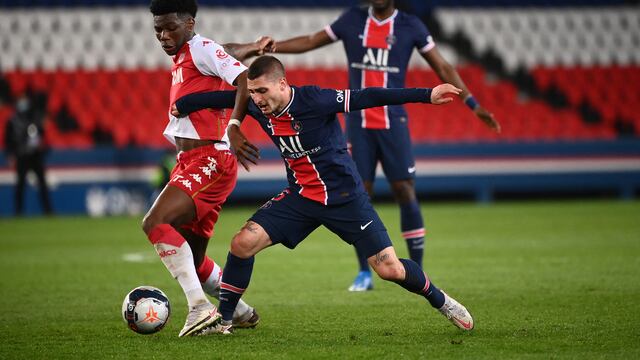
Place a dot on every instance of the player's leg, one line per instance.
(199, 185)
(398, 164)
(237, 273)
(286, 219)
(411, 223)
(21, 172)
(43, 189)
(358, 223)
(410, 276)
(365, 154)
(173, 207)
(210, 276)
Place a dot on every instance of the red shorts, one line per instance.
(208, 175)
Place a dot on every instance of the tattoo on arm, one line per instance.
(381, 258)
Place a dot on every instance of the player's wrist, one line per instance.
(471, 102)
(234, 122)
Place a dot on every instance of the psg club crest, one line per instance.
(296, 125)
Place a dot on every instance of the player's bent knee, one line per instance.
(244, 244)
(148, 223)
(390, 272)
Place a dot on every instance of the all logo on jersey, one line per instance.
(291, 144)
(379, 57)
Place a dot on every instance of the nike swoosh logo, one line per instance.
(362, 227)
(466, 325)
(412, 169)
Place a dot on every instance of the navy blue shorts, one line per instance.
(289, 218)
(391, 147)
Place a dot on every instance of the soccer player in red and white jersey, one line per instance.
(181, 221)
(379, 41)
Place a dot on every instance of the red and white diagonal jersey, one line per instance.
(201, 65)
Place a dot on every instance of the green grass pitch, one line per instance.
(547, 280)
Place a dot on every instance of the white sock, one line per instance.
(179, 262)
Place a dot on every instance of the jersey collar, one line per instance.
(382, 22)
(177, 58)
(286, 108)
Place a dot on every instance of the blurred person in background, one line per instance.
(163, 173)
(379, 40)
(26, 150)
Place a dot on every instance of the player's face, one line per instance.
(381, 4)
(173, 31)
(269, 95)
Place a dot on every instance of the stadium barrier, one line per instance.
(109, 181)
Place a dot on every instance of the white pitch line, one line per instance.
(139, 257)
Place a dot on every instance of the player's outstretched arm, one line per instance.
(373, 97)
(196, 102)
(244, 51)
(447, 73)
(302, 44)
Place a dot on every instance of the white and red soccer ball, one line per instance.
(146, 309)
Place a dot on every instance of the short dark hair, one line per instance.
(181, 7)
(266, 65)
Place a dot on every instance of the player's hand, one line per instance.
(245, 151)
(266, 44)
(487, 118)
(174, 111)
(441, 94)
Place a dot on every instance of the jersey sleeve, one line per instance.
(343, 101)
(211, 59)
(337, 29)
(327, 101)
(422, 37)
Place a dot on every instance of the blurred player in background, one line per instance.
(181, 221)
(26, 150)
(324, 185)
(379, 41)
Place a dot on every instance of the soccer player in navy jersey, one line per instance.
(379, 41)
(324, 185)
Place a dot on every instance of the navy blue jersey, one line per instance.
(312, 144)
(378, 53)
(309, 136)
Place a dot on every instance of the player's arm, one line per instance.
(447, 73)
(374, 97)
(199, 101)
(245, 151)
(302, 44)
(245, 51)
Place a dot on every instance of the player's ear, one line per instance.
(191, 24)
(283, 84)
